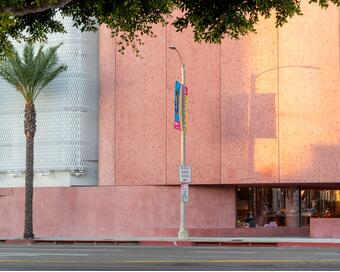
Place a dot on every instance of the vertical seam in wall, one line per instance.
(278, 106)
(166, 107)
(100, 93)
(115, 88)
(339, 35)
(221, 113)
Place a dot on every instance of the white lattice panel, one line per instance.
(67, 112)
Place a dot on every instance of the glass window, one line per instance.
(267, 207)
(319, 203)
(245, 205)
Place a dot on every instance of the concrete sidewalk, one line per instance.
(193, 241)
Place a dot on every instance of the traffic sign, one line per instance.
(185, 174)
(185, 192)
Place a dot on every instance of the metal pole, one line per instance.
(183, 233)
(183, 132)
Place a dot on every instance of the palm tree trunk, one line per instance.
(30, 127)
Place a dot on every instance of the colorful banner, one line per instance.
(177, 96)
(184, 122)
(178, 92)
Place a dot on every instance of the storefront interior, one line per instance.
(272, 207)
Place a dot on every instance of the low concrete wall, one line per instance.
(118, 211)
(253, 232)
(325, 227)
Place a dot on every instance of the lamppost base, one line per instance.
(183, 234)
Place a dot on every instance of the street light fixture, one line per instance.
(182, 233)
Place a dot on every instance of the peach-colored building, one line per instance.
(262, 140)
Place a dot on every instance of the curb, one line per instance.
(311, 244)
(19, 242)
(171, 243)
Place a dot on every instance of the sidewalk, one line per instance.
(193, 241)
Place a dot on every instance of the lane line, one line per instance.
(327, 253)
(40, 254)
(224, 252)
(168, 261)
(59, 249)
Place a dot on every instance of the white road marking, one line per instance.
(327, 253)
(7, 254)
(225, 252)
(56, 249)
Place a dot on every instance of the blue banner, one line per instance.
(177, 96)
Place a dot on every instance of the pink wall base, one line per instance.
(240, 232)
(325, 227)
(117, 211)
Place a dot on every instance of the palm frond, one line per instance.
(31, 72)
(48, 77)
(13, 74)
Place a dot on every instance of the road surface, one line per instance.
(130, 257)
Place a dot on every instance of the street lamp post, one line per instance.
(182, 233)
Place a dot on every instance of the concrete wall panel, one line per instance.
(200, 200)
(114, 211)
(12, 212)
(324, 228)
(107, 108)
(249, 144)
(309, 97)
(140, 119)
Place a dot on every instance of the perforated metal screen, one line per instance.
(67, 112)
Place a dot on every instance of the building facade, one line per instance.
(262, 139)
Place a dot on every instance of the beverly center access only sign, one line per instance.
(185, 174)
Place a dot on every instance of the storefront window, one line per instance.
(280, 207)
(267, 207)
(319, 203)
(245, 205)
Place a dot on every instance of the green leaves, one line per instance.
(211, 21)
(31, 72)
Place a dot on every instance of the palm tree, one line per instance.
(29, 74)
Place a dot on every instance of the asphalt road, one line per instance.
(91, 257)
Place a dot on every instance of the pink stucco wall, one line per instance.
(262, 109)
(249, 142)
(141, 119)
(309, 129)
(325, 227)
(113, 211)
(107, 109)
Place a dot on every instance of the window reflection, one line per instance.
(267, 207)
(245, 206)
(319, 203)
(280, 207)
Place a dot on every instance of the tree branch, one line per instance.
(35, 9)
